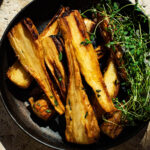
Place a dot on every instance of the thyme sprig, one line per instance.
(136, 54)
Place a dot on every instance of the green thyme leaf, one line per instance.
(84, 16)
(86, 42)
(48, 110)
(86, 115)
(60, 79)
(60, 56)
(56, 103)
(98, 95)
(98, 90)
(38, 104)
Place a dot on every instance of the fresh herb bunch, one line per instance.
(127, 32)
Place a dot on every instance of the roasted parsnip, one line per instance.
(19, 76)
(74, 29)
(111, 79)
(41, 108)
(112, 126)
(112, 84)
(53, 50)
(24, 39)
(81, 124)
(90, 25)
(52, 28)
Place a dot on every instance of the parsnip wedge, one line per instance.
(81, 124)
(90, 25)
(24, 39)
(41, 108)
(74, 29)
(19, 76)
(111, 79)
(112, 126)
(53, 50)
(52, 28)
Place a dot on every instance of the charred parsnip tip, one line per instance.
(41, 108)
(52, 28)
(24, 39)
(19, 76)
(112, 126)
(81, 124)
(74, 29)
(53, 50)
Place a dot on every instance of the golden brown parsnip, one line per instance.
(17, 74)
(74, 29)
(111, 79)
(41, 108)
(52, 28)
(53, 50)
(112, 126)
(81, 124)
(90, 25)
(24, 39)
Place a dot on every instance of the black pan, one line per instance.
(50, 134)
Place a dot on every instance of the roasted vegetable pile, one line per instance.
(81, 69)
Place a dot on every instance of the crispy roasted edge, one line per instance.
(52, 49)
(31, 33)
(52, 28)
(19, 76)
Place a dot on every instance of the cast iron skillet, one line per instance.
(52, 133)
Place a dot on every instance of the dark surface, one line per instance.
(13, 98)
(1, 2)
